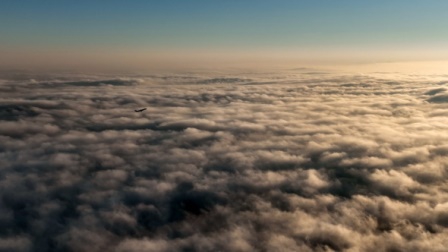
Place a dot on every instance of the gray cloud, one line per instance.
(310, 162)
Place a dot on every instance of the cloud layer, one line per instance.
(242, 162)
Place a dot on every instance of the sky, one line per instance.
(169, 31)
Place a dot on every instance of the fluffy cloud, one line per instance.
(254, 162)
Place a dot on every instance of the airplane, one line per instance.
(140, 110)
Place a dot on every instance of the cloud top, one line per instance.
(287, 162)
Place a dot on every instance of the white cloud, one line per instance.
(278, 162)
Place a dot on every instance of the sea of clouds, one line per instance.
(285, 161)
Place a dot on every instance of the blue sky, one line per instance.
(224, 25)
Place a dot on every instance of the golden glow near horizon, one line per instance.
(145, 59)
